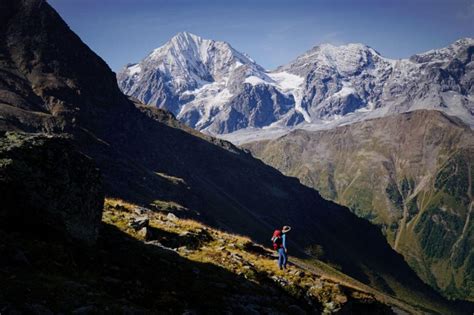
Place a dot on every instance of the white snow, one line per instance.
(253, 134)
(135, 69)
(287, 81)
(207, 99)
(222, 97)
(255, 80)
(346, 90)
(292, 84)
(370, 107)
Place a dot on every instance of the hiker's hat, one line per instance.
(286, 228)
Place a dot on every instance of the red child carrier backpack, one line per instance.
(276, 240)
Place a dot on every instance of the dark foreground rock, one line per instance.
(45, 183)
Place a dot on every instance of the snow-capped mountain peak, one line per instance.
(195, 77)
(190, 46)
(186, 36)
(191, 61)
(213, 87)
(444, 54)
(346, 58)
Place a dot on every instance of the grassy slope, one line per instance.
(169, 269)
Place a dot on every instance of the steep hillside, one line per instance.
(410, 174)
(52, 82)
(56, 261)
(170, 262)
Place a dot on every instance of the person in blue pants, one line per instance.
(282, 250)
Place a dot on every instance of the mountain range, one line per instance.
(384, 166)
(52, 84)
(212, 87)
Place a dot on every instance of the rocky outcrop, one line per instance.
(254, 106)
(298, 290)
(47, 186)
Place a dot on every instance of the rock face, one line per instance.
(208, 85)
(45, 182)
(328, 84)
(410, 174)
(344, 79)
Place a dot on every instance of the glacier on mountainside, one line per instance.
(214, 88)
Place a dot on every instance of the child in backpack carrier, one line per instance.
(279, 244)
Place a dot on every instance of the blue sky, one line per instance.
(273, 32)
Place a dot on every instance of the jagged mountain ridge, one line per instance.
(344, 79)
(202, 82)
(144, 155)
(410, 174)
(326, 86)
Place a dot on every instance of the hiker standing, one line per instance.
(279, 244)
(285, 230)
